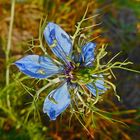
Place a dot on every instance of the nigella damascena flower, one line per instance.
(74, 69)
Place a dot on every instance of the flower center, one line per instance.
(77, 74)
(68, 72)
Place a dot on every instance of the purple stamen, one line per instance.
(68, 71)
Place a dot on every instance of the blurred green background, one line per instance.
(20, 118)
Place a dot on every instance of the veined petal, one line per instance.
(62, 99)
(98, 87)
(87, 54)
(58, 40)
(37, 66)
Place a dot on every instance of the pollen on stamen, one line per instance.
(54, 44)
(41, 71)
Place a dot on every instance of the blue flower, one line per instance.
(44, 67)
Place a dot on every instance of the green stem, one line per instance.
(79, 26)
(9, 41)
(127, 69)
(8, 50)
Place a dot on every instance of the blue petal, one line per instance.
(98, 87)
(62, 98)
(37, 66)
(87, 54)
(58, 40)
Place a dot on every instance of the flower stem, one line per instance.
(79, 26)
(9, 42)
(7, 52)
